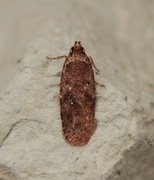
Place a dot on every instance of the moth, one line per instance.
(77, 96)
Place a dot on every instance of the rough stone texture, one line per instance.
(119, 35)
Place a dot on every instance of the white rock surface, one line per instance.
(119, 36)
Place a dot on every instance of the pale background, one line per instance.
(119, 35)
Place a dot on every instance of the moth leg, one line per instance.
(57, 96)
(53, 85)
(57, 58)
(57, 74)
(98, 84)
(92, 62)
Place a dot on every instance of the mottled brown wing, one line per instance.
(77, 92)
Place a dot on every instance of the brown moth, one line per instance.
(77, 96)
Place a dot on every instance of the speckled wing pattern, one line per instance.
(77, 97)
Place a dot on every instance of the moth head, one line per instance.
(77, 47)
